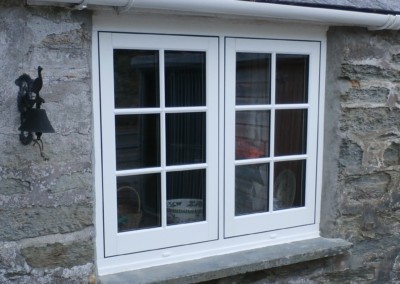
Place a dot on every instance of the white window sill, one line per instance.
(221, 266)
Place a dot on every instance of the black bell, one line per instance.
(37, 121)
(33, 119)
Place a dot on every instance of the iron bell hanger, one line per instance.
(33, 118)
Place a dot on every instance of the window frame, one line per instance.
(166, 24)
(119, 243)
(277, 220)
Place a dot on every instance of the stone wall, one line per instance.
(46, 207)
(361, 183)
(366, 71)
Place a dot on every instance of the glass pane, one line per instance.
(137, 139)
(252, 134)
(253, 78)
(136, 77)
(139, 202)
(289, 184)
(186, 196)
(186, 138)
(251, 189)
(185, 78)
(290, 132)
(291, 78)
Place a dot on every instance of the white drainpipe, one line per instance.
(373, 21)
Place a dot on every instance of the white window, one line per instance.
(209, 144)
(159, 98)
(271, 129)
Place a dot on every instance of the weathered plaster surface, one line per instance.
(46, 207)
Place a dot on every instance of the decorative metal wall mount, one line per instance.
(33, 118)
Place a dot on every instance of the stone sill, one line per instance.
(221, 266)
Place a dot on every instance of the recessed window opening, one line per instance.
(162, 156)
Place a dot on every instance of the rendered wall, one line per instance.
(46, 207)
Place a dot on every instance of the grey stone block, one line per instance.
(59, 255)
(40, 221)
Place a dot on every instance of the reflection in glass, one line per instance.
(291, 78)
(186, 196)
(290, 132)
(186, 138)
(139, 202)
(136, 77)
(251, 189)
(252, 134)
(253, 83)
(289, 184)
(137, 139)
(185, 78)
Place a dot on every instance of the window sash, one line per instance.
(165, 236)
(236, 224)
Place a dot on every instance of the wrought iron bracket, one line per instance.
(29, 102)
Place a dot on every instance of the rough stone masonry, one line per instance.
(361, 182)
(46, 208)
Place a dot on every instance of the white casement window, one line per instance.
(207, 143)
(159, 102)
(271, 129)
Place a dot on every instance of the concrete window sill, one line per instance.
(221, 266)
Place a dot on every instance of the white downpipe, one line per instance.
(252, 9)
